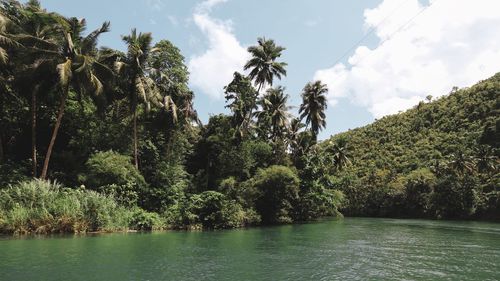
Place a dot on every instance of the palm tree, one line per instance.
(274, 113)
(340, 153)
(243, 98)
(299, 140)
(485, 159)
(313, 106)
(461, 163)
(263, 64)
(32, 33)
(141, 87)
(77, 67)
(294, 130)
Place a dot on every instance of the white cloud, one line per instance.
(173, 20)
(213, 69)
(451, 43)
(207, 5)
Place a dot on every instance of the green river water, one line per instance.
(346, 249)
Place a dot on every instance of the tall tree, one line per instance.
(32, 34)
(461, 163)
(263, 64)
(486, 161)
(274, 114)
(242, 99)
(77, 67)
(141, 87)
(314, 105)
(340, 154)
(170, 74)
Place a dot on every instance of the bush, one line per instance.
(277, 188)
(171, 181)
(418, 187)
(112, 173)
(143, 220)
(42, 207)
(316, 201)
(210, 210)
(454, 197)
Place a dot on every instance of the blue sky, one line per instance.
(413, 48)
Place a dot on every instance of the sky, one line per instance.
(378, 57)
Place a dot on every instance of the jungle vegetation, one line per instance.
(96, 139)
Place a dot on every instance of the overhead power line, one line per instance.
(401, 27)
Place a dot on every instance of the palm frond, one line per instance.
(65, 73)
(3, 56)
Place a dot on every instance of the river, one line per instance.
(345, 249)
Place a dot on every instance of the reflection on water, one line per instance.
(348, 249)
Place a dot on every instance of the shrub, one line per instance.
(210, 210)
(277, 188)
(114, 174)
(418, 187)
(170, 183)
(143, 220)
(42, 207)
(316, 201)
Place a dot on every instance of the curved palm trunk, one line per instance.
(136, 152)
(33, 131)
(60, 114)
(1, 149)
(1, 130)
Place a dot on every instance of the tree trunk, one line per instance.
(54, 134)
(1, 149)
(136, 156)
(33, 131)
(1, 128)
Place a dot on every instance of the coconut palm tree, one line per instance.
(486, 161)
(461, 163)
(32, 32)
(133, 68)
(263, 64)
(313, 106)
(243, 101)
(274, 113)
(340, 153)
(299, 141)
(74, 58)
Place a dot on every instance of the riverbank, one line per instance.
(44, 208)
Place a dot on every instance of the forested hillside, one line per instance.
(97, 139)
(439, 159)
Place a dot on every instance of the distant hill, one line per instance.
(429, 143)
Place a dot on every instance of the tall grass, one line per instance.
(43, 207)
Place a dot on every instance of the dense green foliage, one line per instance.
(42, 207)
(437, 160)
(121, 127)
(119, 131)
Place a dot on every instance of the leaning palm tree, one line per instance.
(74, 58)
(313, 106)
(274, 113)
(31, 33)
(263, 64)
(141, 88)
